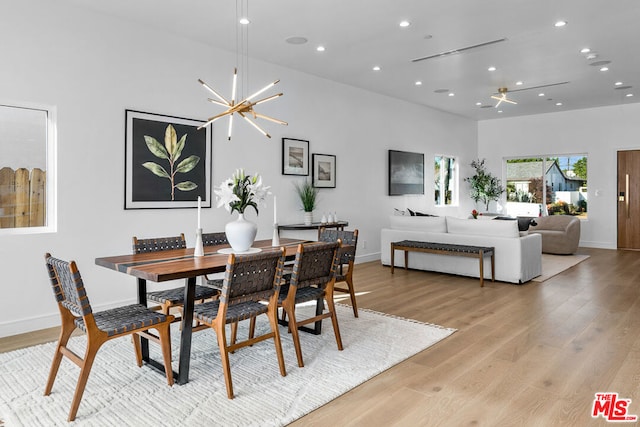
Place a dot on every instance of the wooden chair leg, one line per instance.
(352, 292)
(165, 343)
(66, 330)
(293, 328)
(219, 328)
(234, 332)
(85, 370)
(334, 319)
(135, 338)
(273, 320)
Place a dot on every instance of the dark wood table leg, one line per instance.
(393, 256)
(481, 268)
(406, 259)
(142, 299)
(185, 336)
(493, 266)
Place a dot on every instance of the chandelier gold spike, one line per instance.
(503, 97)
(243, 108)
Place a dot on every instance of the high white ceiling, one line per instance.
(359, 34)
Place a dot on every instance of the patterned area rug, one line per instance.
(119, 393)
(556, 264)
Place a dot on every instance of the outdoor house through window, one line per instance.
(556, 185)
(445, 181)
(27, 176)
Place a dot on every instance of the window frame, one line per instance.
(455, 192)
(51, 197)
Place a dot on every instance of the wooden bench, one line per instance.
(445, 249)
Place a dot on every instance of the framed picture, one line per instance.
(406, 173)
(295, 156)
(324, 171)
(167, 162)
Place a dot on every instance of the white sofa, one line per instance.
(518, 255)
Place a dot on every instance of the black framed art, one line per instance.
(406, 173)
(295, 157)
(324, 171)
(167, 162)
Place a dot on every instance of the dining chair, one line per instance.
(174, 297)
(75, 312)
(312, 279)
(249, 280)
(347, 260)
(214, 239)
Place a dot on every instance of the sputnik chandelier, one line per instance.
(243, 108)
(503, 97)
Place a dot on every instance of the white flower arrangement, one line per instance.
(241, 191)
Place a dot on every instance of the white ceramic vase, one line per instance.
(308, 218)
(241, 233)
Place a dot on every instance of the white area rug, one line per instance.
(119, 393)
(556, 264)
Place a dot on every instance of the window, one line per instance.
(555, 184)
(446, 181)
(27, 168)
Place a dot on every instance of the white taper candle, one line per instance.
(199, 206)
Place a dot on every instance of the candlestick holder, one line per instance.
(275, 241)
(199, 250)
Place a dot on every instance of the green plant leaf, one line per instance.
(179, 147)
(155, 147)
(170, 140)
(186, 186)
(188, 164)
(156, 169)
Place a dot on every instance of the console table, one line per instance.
(339, 225)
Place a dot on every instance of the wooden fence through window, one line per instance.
(22, 197)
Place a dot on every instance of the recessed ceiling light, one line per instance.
(629, 95)
(404, 24)
(244, 21)
(452, 94)
(418, 83)
(558, 103)
(519, 83)
(499, 111)
(585, 50)
(560, 23)
(541, 94)
(320, 49)
(376, 68)
(296, 40)
(492, 68)
(604, 69)
(618, 83)
(478, 103)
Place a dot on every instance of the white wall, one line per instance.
(598, 132)
(92, 68)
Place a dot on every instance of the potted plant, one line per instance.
(484, 186)
(308, 195)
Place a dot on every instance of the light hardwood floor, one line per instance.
(530, 355)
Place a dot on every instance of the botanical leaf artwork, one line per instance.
(171, 151)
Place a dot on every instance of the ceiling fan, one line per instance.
(502, 97)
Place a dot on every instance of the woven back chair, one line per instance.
(169, 298)
(249, 280)
(347, 258)
(75, 312)
(313, 278)
(214, 239)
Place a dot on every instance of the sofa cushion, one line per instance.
(434, 224)
(482, 228)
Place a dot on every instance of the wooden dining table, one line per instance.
(175, 264)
